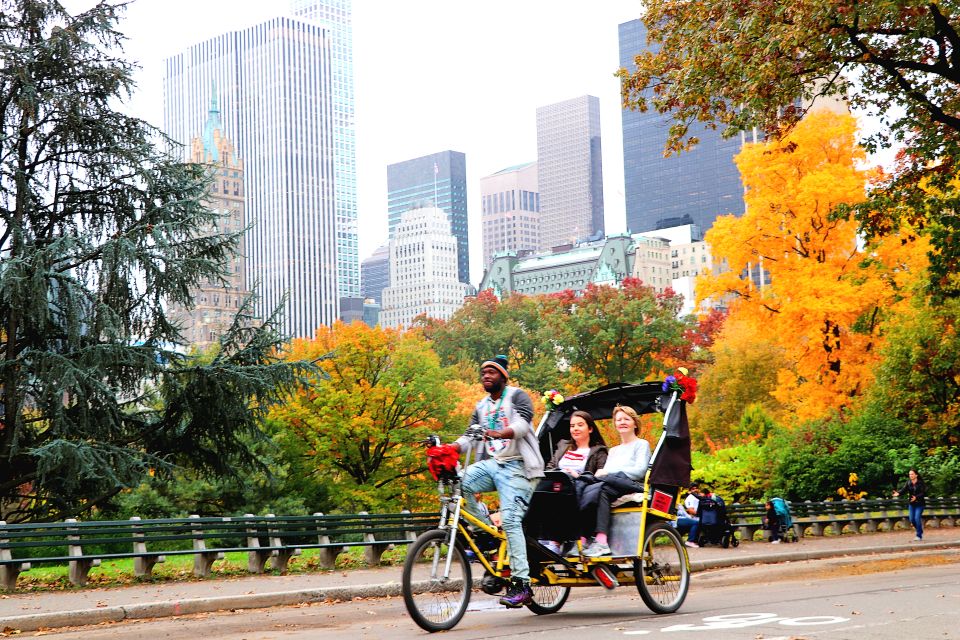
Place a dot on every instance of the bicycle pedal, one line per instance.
(605, 577)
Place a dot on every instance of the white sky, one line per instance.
(429, 75)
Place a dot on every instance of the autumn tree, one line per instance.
(619, 334)
(827, 296)
(485, 326)
(744, 371)
(918, 379)
(758, 64)
(101, 228)
(357, 425)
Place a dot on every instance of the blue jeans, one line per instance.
(515, 490)
(688, 524)
(916, 520)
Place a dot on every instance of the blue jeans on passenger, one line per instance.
(916, 519)
(515, 490)
(691, 526)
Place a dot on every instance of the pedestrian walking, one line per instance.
(917, 490)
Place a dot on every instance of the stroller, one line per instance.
(715, 527)
(786, 530)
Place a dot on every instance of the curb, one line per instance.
(169, 608)
(923, 548)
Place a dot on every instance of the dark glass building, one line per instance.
(693, 187)
(375, 274)
(440, 180)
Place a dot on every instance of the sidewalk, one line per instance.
(32, 611)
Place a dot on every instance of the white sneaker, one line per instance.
(775, 541)
(917, 539)
(692, 545)
(597, 550)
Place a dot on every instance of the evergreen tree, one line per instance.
(100, 229)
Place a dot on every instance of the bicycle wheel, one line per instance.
(547, 598)
(661, 571)
(435, 602)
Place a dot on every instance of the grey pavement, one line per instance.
(29, 611)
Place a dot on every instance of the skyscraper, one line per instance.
(275, 85)
(510, 212)
(423, 269)
(216, 303)
(570, 171)
(336, 17)
(375, 273)
(693, 187)
(437, 180)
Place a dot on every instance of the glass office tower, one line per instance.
(570, 172)
(440, 180)
(275, 86)
(336, 17)
(693, 187)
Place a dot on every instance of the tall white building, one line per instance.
(276, 86)
(423, 270)
(570, 173)
(336, 16)
(510, 206)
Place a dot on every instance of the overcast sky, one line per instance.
(429, 75)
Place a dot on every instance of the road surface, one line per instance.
(838, 600)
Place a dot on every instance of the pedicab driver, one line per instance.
(509, 464)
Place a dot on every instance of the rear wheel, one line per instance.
(435, 601)
(547, 598)
(661, 571)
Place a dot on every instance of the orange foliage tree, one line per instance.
(827, 294)
(358, 424)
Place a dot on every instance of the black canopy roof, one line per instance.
(671, 459)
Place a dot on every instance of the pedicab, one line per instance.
(438, 578)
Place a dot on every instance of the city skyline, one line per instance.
(428, 77)
(277, 106)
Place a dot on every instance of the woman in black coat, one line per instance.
(918, 494)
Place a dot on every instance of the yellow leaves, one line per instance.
(826, 292)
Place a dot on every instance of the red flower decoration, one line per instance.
(689, 386)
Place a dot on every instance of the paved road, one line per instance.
(32, 611)
(840, 599)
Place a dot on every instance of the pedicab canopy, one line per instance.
(670, 462)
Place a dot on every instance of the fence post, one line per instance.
(142, 565)
(328, 554)
(81, 566)
(9, 572)
(202, 560)
(256, 557)
(371, 550)
(281, 556)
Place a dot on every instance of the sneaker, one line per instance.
(777, 541)
(692, 545)
(518, 594)
(597, 550)
(918, 539)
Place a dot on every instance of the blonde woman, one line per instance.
(621, 474)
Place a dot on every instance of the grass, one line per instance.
(179, 568)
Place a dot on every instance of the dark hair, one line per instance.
(595, 436)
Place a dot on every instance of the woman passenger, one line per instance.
(584, 452)
(621, 474)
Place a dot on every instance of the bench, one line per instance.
(855, 516)
(269, 538)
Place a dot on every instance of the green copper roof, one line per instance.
(213, 123)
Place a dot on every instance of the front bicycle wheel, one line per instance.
(547, 598)
(435, 601)
(662, 575)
